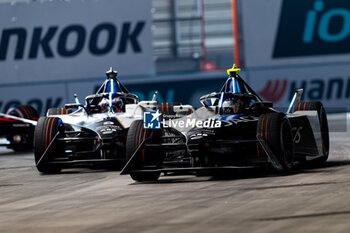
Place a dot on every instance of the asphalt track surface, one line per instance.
(82, 200)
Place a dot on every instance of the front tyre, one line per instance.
(136, 135)
(276, 129)
(45, 131)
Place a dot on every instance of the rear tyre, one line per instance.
(322, 116)
(58, 111)
(24, 111)
(276, 129)
(136, 135)
(45, 131)
(23, 141)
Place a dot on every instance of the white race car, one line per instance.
(83, 135)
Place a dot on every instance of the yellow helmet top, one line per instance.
(233, 71)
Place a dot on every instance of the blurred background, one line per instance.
(50, 50)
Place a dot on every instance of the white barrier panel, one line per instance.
(65, 40)
(294, 32)
(329, 84)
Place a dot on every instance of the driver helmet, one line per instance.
(232, 106)
(104, 103)
(117, 104)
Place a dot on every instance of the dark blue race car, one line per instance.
(233, 129)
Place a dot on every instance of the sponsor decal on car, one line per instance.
(297, 134)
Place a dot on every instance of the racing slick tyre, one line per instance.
(24, 140)
(58, 111)
(276, 130)
(24, 111)
(322, 116)
(136, 135)
(45, 131)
